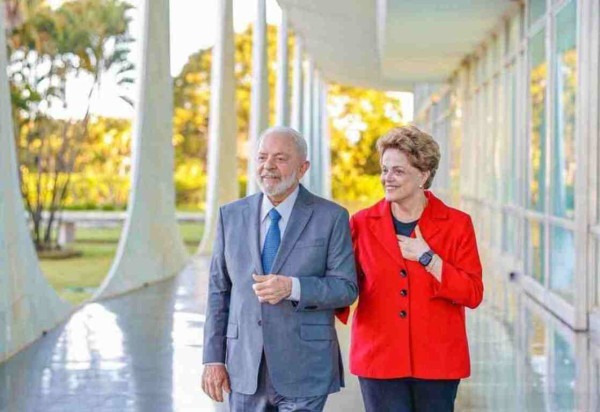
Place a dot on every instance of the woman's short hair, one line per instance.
(421, 149)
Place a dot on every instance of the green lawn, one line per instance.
(77, 278)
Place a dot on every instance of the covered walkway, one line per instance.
(143, 352)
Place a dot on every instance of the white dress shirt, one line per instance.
(285, 210)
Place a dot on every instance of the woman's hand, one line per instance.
(412, 248)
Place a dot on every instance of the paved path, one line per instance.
(143, 352)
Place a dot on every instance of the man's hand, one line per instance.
(272, 288)
(215, 380)
(413, 249)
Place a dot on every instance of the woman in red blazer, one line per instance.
(418, 269)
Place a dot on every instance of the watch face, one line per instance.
(426, 258)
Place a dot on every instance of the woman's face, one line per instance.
(400, 179)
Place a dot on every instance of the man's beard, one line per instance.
(280, 188)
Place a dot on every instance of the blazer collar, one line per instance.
(300, 216)
(382, 227)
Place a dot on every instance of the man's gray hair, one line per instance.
(299, 140)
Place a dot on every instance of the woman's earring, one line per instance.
(420, 186)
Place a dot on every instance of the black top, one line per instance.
(404, 229)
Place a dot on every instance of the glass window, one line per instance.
(563, 376)
(489, 136)
(513, 36)
(596, 275)
(497, 228)
(510, 160)
(537, 8)
(482, 68)
(498, 137)
(456, 141)
(509, 226)
(565, 86)
(562, 262)
(492, 58)
(535, 250)
(536, 339)
(537, 127)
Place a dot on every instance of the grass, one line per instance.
(76, 279)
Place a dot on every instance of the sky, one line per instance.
(193, 27)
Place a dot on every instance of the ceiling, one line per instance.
(392, 44)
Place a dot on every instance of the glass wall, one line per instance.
(538, 72)
(515, 158)
(563, 164)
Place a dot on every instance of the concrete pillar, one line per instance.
(307, 118)
(222, 162)
(259, 110)
(150, 248)
(325, 143)
(297, 86)
(283, 95)
(28, 303)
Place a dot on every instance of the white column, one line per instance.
(297, 86)
(150, 248)
(259, 110)
(222, 162)
(325, 143)
(316, 148)
(307, 116)
(283, 94)
(28, 304)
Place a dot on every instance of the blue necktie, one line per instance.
(272, 241)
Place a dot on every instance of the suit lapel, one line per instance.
(382, 229)
(434, 212)
(252, 216)
(299, 218)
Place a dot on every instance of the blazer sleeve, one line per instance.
(337, 288)
(343, 314)
(219, 292)
(462, 277)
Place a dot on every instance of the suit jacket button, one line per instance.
(403, 273)
(402, 313)
(403, 292)
(260, 322)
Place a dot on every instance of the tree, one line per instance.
(48, 47)
(358, 117)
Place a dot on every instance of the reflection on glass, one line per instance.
(513, 35)
(537, 142)
(498, 137)
(565, 84)
(536, 9)
(509, 226)
(562, 262)
(536, 355)
(597, 274)
(456, 140)
(596, 388)
(563, 375)
(535, 251)
(512, 101)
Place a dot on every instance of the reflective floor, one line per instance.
(143, 352)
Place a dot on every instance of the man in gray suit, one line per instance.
(282, 263)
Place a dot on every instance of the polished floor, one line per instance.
(143, 352)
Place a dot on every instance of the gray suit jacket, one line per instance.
(298, 338)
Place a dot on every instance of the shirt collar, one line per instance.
(284, 208)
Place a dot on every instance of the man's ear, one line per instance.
(303, 169)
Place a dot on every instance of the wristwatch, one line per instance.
(426, 257)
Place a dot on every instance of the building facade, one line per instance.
(517, 123)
